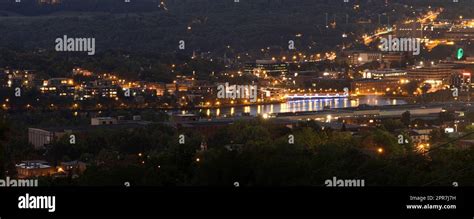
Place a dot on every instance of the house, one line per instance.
(34, 168)
(419, 136)
(39, 138)
(72, 167)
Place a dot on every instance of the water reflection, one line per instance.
(304, 105)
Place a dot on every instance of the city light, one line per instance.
(300, 84)
(380, 150)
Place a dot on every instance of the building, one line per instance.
(158, 89)
(82, 72)
(39, 138)
(265, 68)
(420, 136)
(204, 88)
(184, 83)
(72, 167)
(17, 78)
(375, 87)
(34, 168)
(460, 34)
(63, 87)
(392, 57)
(360, 58)
(409, 30)
(171, 88)
(395, 74)
(101, 88)
(42, 137)
(461, 80)
(104, 121)
(432, 75)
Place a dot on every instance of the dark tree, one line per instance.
(2, 162)
(411, 87)
(3, 130)
(406, 118)
(446, 116)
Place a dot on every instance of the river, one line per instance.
(302, 106)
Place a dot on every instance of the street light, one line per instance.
(380, 150)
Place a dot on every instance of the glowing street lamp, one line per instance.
(380, 150)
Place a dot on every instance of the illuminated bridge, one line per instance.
(315, 96)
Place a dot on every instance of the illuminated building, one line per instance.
(332, 74)
(17, 78)
(461, 80)
(184, 83)
(101, 88)
(360, 58)
(157, 89)
(182, 87)
(392, 57)
(375, 87)
(385, 74)
(34, 168)
(460, 34)
(420, 136)
(264, 68)
(409, 30)
(171, 88)
(73, 167)
(439, 74)
(58, 86)
(82, 72)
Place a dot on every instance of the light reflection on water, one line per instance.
(303, 106)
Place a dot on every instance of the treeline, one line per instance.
(32, 7)
(214, 25)
(131, 66)
(258, 153)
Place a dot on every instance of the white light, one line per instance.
(449, 130)
(328, 118)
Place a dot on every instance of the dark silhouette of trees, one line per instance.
(406, 118)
